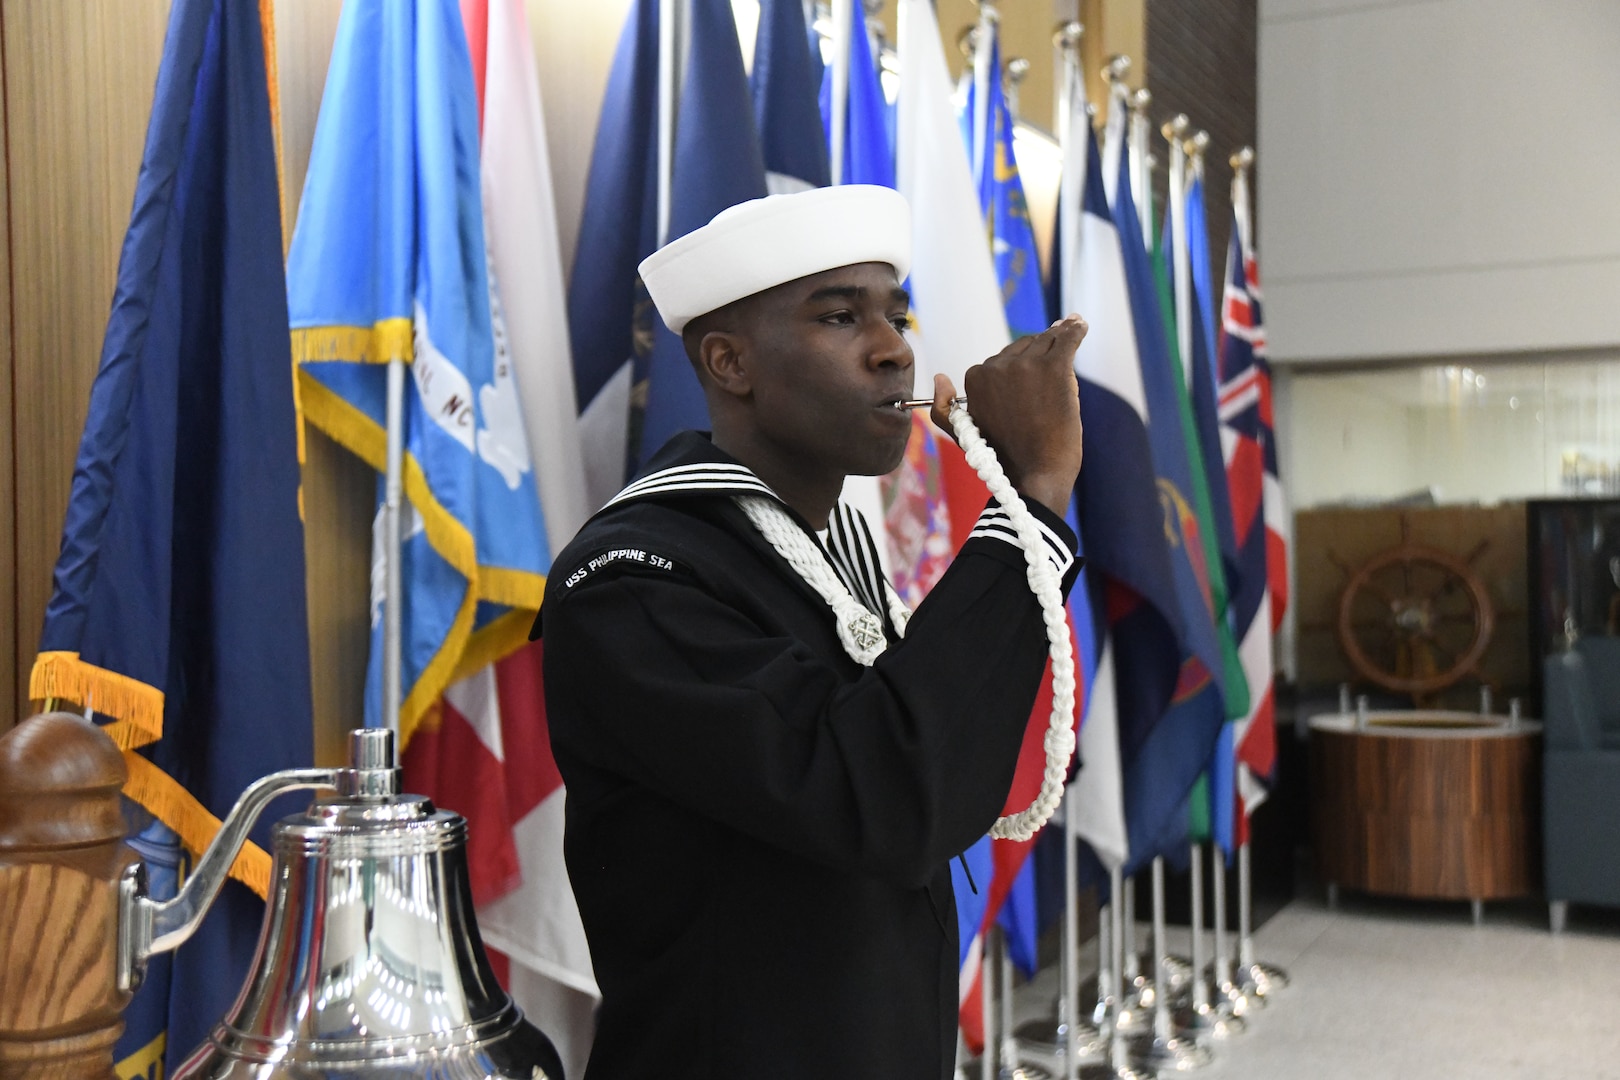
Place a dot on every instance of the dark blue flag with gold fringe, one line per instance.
(178, 612)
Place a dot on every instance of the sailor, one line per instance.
(769, 765)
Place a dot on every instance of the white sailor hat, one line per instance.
(762, 243)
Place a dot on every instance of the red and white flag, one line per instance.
(960, 322)
(1249, 444)
(489, 755)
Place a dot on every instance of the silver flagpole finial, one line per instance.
(1068, 34)
(1118, 64)
(1243, 158)
(1175, 127)
(1017, 70)
(967, 40)
(1141, 99)
(1197, 145)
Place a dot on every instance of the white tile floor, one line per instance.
(1392, 989)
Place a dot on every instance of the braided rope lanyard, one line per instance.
(861, 631)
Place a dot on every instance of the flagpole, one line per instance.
(1222, 1016)
(1069, 969)
(1256, 977)
(983, 47)
(1008, 1056)
(1119, 94)
(393, 575)
(1120, 1065)
(1017, 72)
(1066, 42)
(843, 32)
(1181, 264)
(1181, 278)
(671, 13)
(1222, 970)
(987, 1001)
(1142, 159)
(1168, 1050)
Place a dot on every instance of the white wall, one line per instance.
(1438, 177)
(1485, 433)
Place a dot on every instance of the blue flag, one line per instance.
(388, 261)
(1203, 378)
(717, 164)
(610, 315)
(868, 119)
(1006, 211)
(1018, 272)
(785, 83)
(1167, 759)
(178, 608)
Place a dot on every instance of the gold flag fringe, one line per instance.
(179, 810)
(140, 706)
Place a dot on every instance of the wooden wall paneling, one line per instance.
(78, 92)
(13, 707)
(340, 490)
(573, 50)
(1113, 28)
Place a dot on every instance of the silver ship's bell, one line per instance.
(369, 964)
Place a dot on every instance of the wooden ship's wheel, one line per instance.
(1415, 620)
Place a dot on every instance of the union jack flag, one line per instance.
(1249, 444)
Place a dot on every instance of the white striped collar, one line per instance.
(850, 547)
(697, 478)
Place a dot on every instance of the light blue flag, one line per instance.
(388, 262)
(1006, 211)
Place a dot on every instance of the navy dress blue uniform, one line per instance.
(759, 829)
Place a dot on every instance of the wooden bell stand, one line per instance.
(62, 854)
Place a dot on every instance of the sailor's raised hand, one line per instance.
(1026, 402)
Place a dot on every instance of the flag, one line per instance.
(868, 144)
(910, 501)
(1176, 749)
(486, 754)
(388, 261)
(1142, 535)
(1204, 377)
(784, 84)
(610, 316)
(959, 322)
(1011, 902)
(178, 609)
(1194, 390)
(718, 163)
(1196, 397)
(1098, 790)
(1257, 508)
(1002, 202)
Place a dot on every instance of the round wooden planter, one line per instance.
(1426, 804)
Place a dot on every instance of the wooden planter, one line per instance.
(1427, 804)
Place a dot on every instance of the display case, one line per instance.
(1573, 550)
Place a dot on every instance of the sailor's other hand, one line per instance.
(1026, 402)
